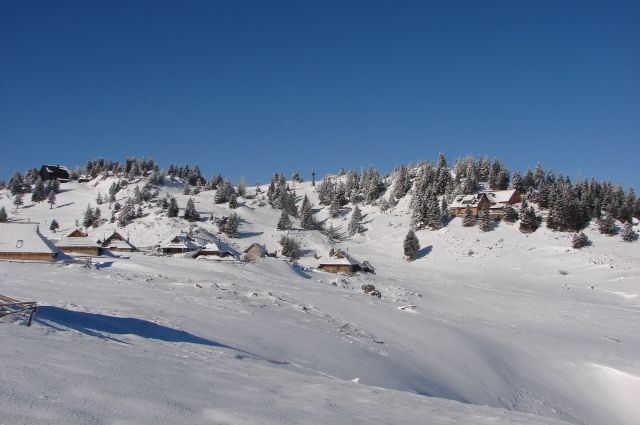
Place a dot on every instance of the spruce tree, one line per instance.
(331, 233)
(484, 221)
(528, 220)
(469, 218)
(306, 214)
(284, 223)
(411, 246)
(190, 213)
(88, 219)
(607, 225)
(510, 214)
(3, 215)
(232, 226)
(54, 226)
(172, 209)
(38, 195)
(579, 240)
(51, 199)
(290, 247)
(233, 202)
(354, 223)
(628, 234)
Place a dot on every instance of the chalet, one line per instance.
(493, 201)
(475, 202)
(254, 251)
(215, 249)
(54, 172)
(179, 244)
(116, 242)
(343, 263)
(24, 242)
(78, 242)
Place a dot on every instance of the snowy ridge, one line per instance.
(495, 327)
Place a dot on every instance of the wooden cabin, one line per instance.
(342, 263)
(116, 242)
(494, 201)
(179, 245)
(254, 251)
(54, 172)
(24, 242)
(78, 242)
(215, 249)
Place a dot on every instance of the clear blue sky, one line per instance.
(251, 87)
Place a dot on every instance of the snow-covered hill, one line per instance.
(495, 327)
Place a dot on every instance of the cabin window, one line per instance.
(19, 243)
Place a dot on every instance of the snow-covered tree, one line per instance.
(484, 221)
(306, 214)
(38, 193)
(88, 218)
(284, 223)
(579, 240)
(628, 234)
(172, 209)
(51, 199)
(607, 225)
(3, 215)
(290, 247)
(54, 226)
(510, 214)
(190, 213)
(411, 246)
(469, 218)
(354, 223)
(528, 220)
(233, 202)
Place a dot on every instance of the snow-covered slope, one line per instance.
(496, 327)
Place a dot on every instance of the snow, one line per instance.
(483, 328)
(16, 238)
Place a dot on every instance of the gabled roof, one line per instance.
(500, 196)
(77, 241)
(182, 242)
(116, 240)
(17, 237)
(462, 201)
(256, 245)
(340, 258)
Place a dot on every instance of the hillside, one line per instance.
(485, 327)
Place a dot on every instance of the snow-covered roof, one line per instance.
(77, 239)
(462, 201)
(214, 247)
(501, 196)
(340, 258)
(117, 241)
(16, 237)
(180, 241)
(257, 245)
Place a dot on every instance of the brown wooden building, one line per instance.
(24, 242)
(493, 201)
(116, 242)
(78, 242)
(254, 251)
(54, 172)
(342, 263)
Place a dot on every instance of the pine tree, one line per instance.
(290, 247)
(411, 246)
(51, 199)
(628, 234)
(233, 202)
(331, 233)
(232, 226)
(354, 223)
(306, 214)
(127, 214)
(284, 223)
(3, 215)
(99, 199)
(579, 240)
(54, 226)
(172, 209)
(510, 214)
(88, 218)
(38, 194)
(528, 220)
(607, 225)
(469, 218)
(190, 213)
(334, 208)
(484, 221)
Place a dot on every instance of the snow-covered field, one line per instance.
(484, 328)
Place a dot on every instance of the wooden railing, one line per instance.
(10, 305)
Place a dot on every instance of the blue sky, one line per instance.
(252, 87)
